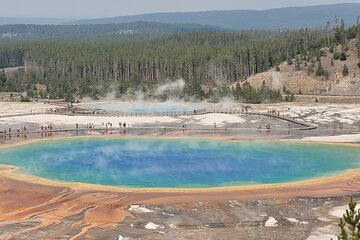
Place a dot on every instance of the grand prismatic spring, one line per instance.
(178, 163)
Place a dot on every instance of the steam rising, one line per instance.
(165, 97)
(171, 87)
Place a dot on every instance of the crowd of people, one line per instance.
(20, 132)
(106, 125)
(46, 128)
(274, 112)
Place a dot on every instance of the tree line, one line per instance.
(207, 61)
(138, 29)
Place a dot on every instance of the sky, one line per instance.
(82, 9)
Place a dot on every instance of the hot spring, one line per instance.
(175, 163)
(139, 107)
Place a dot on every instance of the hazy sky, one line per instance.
(108, 8)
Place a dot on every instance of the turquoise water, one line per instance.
(160, 163)
(140, 107)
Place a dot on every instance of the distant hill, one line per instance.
(134, 28)
(282, 18)
(7, 20)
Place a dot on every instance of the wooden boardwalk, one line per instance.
(304, 125)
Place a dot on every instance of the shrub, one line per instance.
(342, 56)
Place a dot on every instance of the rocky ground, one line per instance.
(297, 219)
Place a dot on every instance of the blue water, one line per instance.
(141, 107)
(159, 163)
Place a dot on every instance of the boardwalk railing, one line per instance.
(156, 114)
(20, 115)
(307, 126)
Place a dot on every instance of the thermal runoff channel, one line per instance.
(185, 163)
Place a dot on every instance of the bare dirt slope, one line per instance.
(299, 79)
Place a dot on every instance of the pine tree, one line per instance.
(237, 91)
(2, 80)
(345, 71)
(292, 97)
(350, 223)
(320, 71)
(2, 76)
